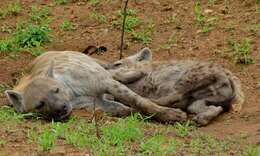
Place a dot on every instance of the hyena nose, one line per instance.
(65, 108)
(62, 110)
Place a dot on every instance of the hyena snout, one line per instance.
(61, 111)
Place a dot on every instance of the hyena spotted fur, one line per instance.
(201, 88)
(60, 81)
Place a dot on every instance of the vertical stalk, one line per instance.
(123, 30)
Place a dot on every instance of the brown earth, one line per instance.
(235, 18)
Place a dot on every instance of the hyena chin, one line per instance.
(60, 81)
(201, 88)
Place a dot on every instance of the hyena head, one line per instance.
(144, 55)
(44, 95)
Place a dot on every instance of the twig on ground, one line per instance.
(95, 120)
(123, 30)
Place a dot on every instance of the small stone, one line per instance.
(208, 11)
(258, 86)
(156, 2)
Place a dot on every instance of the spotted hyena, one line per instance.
(60, 81)
(201, 88)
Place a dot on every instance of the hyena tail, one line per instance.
(239, 98)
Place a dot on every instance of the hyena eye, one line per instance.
(41, 105)
(117, 64)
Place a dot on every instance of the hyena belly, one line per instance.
(191, 86)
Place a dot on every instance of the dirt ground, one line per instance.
(234, 18)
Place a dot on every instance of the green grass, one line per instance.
(144, 35)
(67, 25)
(8, 114)
(205, 23)
(126, 130)
(98, 17)
(212, 2)
(241, 51)
(132, 21)
(61, 2)
(39, 15)
(94, 2)
(2, 142)
(158, 145)
(252, 150)
(125, 136)
(170, 19)
(169, 43)
(10, 9)
(183, 129)
(29, 35)
(47, 140)
(257, 7)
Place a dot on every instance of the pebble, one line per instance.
(208, 11)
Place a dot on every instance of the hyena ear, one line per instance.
(144, 55)
(16, 99)
(50, 72)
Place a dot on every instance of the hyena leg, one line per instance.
(144, 105)
(112, 107)
(204, 113)
(128, 76)
(174, 100)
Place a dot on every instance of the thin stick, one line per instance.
(95, 120)
(123, 30)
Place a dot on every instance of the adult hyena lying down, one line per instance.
(61, 81)
(201, 88)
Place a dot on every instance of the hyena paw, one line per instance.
(201, 119)
(171, 115)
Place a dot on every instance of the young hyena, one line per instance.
(61, 81)
(201, 88)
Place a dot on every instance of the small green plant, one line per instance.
(257, 7)
(144, 36)
(2, 142)
(47, 140)
(94, 2)
(170, 19)
(241, 51)
(132, 21)
(212, 2)
(200, 18)
(168, 44)
(183, 129)
(11, 9)
(61, 2)
(6, 45)
(66, 25)
(31, 35)
(204, 22)
(39, 15)
(158, 145)
(252, 151)
(98, 17)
